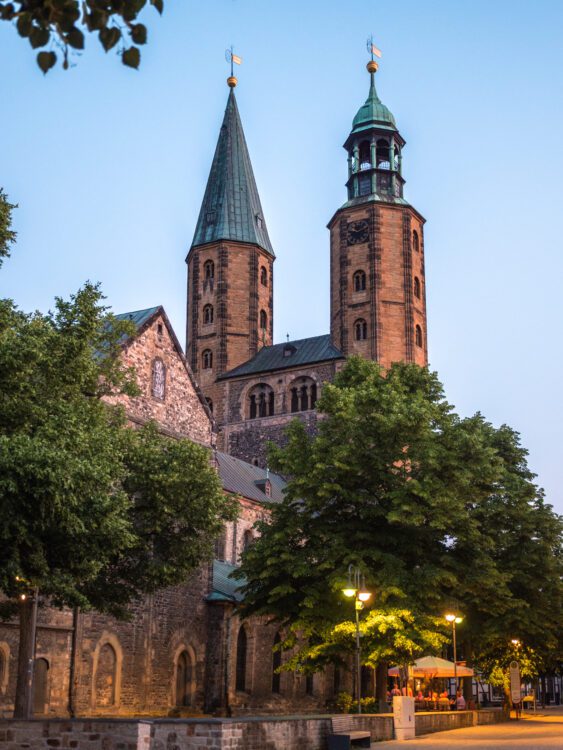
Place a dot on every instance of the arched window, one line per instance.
(303, 394)
(309, 684)
(415, 241)
(382, 151)
(158, 388)
(365, 155)
(263, 276)
(417, 287)
(242, 646)
(360, 330)
(247, 539)
(263, 320)
(276, 664)
(210, 404)
(208, 314)
(207, 359)
(261, 401)
(40, 686)
(208, 270)
(106, 674)
(359, 281)
(418, 335)
(184, 679)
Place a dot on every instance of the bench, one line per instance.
(343, 735)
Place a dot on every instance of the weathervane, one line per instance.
(232, 58)
(374, 52)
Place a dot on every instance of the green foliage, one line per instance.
(7, 234)
(494, 660)
(93, 512)
(56, 23)
(345, 704)
(435, 510)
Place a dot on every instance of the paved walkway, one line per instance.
(542, 731)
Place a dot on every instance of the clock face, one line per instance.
(358, 232)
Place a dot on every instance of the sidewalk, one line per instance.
(544, 731)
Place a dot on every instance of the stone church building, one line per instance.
(184, 650)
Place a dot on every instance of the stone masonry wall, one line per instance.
(180, 411)
(287, 733)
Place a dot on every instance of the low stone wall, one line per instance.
(256, 733)
(427, 722)
(83, 734)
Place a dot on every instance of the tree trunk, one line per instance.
(381, 686)
(467, 682)
(26, 654)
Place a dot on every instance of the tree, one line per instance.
(94, 513)
(519, 538)
(494, 662)
(62, 23)
(7, 234)
(383, 485)
(399, 485)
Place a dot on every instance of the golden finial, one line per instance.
(372, 66)
(232, 58)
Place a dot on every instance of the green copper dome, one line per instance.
(373, 112)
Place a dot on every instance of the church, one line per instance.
(184, 651)
(377, 284)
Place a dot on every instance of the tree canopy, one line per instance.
(62, 25)
(429, 505)
(94, 513)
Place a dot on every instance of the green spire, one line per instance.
(231, 207)
(373, 112)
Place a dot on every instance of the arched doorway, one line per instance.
(184, 679)
(41, 686)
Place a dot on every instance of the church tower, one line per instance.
(378, 307)
(230, 265)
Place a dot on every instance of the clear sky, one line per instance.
(109, 166)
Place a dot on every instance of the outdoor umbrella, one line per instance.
(433, 666)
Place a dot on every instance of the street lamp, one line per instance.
(455, 620)
(356, 587)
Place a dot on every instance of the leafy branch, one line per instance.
(63, 23)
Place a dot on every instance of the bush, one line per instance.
(345, 704)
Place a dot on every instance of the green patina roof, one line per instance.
(373, 112)
(231, 208)
(224, 588)
(139, 317)
(288, 354)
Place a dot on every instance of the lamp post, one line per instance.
(455, 620)
(356, 588)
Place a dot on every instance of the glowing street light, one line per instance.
(356, 588)
(454, 620)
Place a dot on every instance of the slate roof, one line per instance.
(231, 208)
(224, 588)
(289, 354)
(244, 479)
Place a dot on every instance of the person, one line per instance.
(395, 690)
(460, 701)
(420, 696)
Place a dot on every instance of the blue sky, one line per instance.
(109, 166)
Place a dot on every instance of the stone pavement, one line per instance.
(543, 731)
